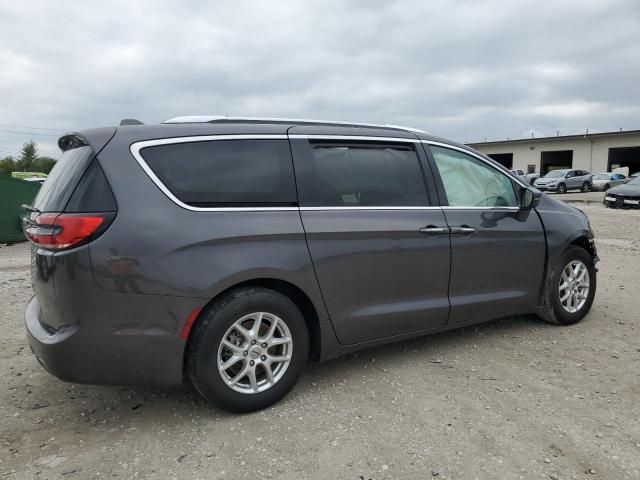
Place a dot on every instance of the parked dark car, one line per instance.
(231, 251)
(624, 196)
(562, 181)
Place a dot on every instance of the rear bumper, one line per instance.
(83, 354)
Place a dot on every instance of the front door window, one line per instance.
(470, 182)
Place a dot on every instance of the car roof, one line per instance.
(212, 125)
(131, 130)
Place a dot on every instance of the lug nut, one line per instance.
(253, 342)
(264, 345)
(263, 358)
(252, 363)
(245, 353)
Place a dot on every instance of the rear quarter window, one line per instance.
(222, 173)
(62, 180)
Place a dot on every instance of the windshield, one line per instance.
(601, 176)
(556, 174)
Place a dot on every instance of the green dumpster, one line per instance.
(13, 193)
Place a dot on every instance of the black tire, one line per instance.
(562, 188)
(586, 187)
(213, 323)
(552, 309)
(606, 187)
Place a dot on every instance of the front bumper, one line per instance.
(621, 201)
(544, 188)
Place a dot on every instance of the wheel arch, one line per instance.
(586, 243)
(288, 289)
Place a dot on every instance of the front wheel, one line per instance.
(248, 349)
(562, 188)
(570, 289)
(586, 187)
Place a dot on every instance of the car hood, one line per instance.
(625, 190)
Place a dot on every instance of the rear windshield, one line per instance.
(226, 172)
(57, 189)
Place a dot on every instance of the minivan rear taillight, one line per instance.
(60, 231)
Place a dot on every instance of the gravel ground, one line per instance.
(514, 398)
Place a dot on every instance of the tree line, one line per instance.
(28, 161)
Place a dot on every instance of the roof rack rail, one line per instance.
(130, 121)
(224, 118)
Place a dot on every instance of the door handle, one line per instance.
(463, 230)
(432, 230)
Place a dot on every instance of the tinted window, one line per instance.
(62, 180)
(93, 193)
(367, 175)
(470, 182)
(226, 172)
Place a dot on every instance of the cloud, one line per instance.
(465, 69)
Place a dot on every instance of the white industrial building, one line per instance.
(595, 152)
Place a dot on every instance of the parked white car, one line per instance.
(604, 181)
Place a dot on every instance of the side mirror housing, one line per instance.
(529, 198)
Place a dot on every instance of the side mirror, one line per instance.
(529, 198)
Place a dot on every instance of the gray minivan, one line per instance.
(230, 251)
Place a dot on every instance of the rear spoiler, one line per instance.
(96, 138)
(71, 141)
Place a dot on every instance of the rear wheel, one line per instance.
(606, 187)
(248, 349)
(570, 289)
(562, 188)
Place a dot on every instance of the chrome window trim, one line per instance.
(136, 147)
(356, 207)
(504, 209)
(475, 155)
(444, 207)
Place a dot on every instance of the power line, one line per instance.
(34, 128)
(31, 133)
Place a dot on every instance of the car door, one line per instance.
(581, 177)
(497, 250)
(617, 179)
(379, 244)
(570, 179)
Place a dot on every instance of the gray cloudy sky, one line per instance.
(462, 69)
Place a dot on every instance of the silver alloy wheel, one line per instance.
(574, 286)
(255, 352)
